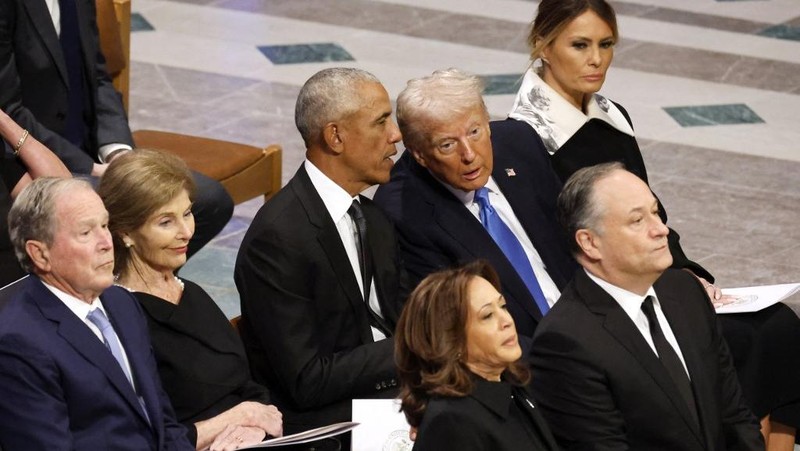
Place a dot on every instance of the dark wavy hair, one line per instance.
(431, 339)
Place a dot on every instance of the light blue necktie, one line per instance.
(99, 319)
(510, 246)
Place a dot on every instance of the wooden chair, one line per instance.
(245, 171)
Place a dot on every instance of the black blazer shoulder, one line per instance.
(495, 416)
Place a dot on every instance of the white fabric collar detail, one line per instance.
(554, 118)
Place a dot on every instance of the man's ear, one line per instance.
(332, 137)
(39, 254)
(589, 243)
(418, 156)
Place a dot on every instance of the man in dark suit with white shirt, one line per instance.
(631, 356)
(77, 370)
(457, 168)
(317, 272)
(54, 83)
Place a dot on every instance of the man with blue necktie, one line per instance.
(467, 188)
(77, 371)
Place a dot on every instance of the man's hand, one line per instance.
(99, 169)
(262, 416)
(237, 436)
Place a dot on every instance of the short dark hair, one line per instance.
(577, 208)
(431, 338)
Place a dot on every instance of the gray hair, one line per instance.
(32, 216)
(436, 98)
(577, 207)
(328, 95)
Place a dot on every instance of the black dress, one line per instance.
(763, 344)
(496, 416)
(200, 357)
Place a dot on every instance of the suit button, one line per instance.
(394, 383)
(378, 386)
(61, 115)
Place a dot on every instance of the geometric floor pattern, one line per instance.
(711, 87)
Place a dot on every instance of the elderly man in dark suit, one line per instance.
(76, 366)
(631, 356)
(317, 272)
(54, 83)
(467, 188)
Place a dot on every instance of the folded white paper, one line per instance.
(383, 426)
(310, 435)
(753, 299)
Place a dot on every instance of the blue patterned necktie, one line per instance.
(510, 246)
(99, 319)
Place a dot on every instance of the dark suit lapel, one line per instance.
(682, 329)
(134, 344)
(328, 237)
(83, 340)
(457, 221)
(620, 326)
(42, 21)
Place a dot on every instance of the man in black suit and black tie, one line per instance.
(467, 188)
(318, 272)
(631, 356)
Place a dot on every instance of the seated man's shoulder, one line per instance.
(679, 277)
(392, 196)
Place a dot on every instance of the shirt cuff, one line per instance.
(107, 149)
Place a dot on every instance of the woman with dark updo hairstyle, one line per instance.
(457, 354)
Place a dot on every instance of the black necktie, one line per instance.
(365, 262)
(669, 358)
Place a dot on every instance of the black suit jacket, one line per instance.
(304, 323)
(61, 388)
(495, 416)
(34, 83)
(601, 387)
(436, 230)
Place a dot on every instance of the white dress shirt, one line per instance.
(503, 208)
(337, 201)
(631, 303)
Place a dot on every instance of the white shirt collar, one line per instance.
(337, 201)
(80, 308)
(554, 118)
(467, 197)
(630, 302)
